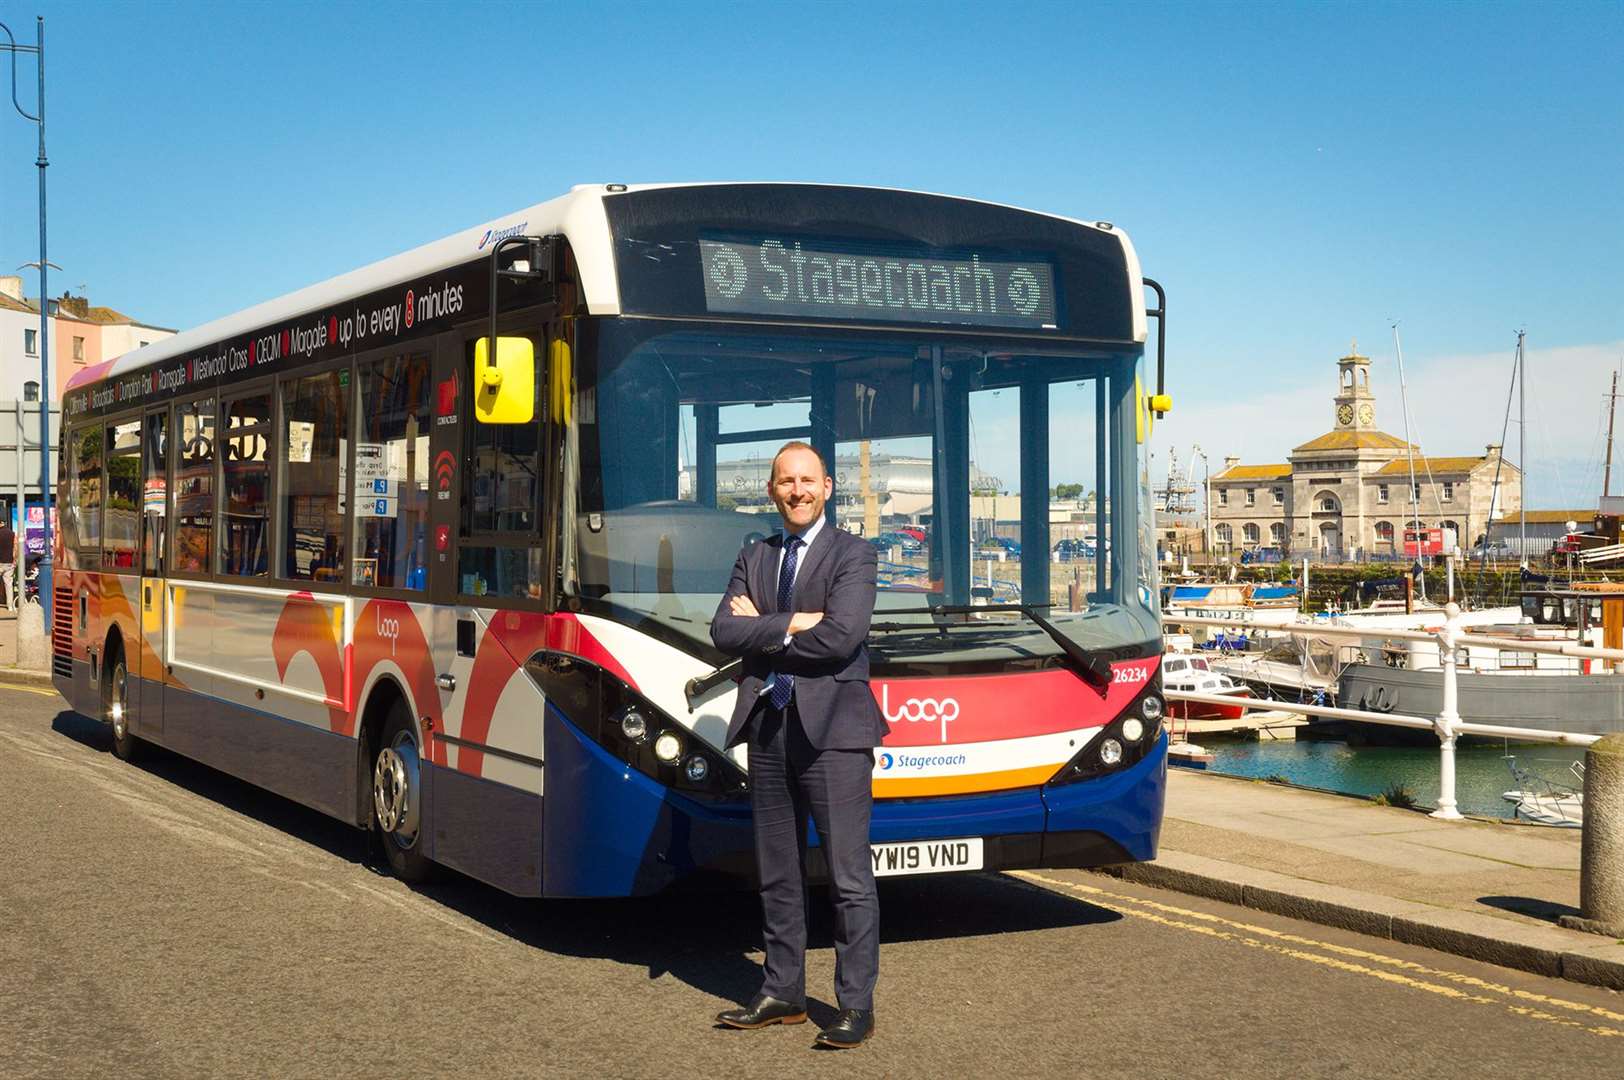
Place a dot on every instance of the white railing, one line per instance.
(1447, 725)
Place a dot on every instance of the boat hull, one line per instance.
(1580, 704)
(1201, 710)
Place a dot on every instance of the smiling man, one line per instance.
(797, 611)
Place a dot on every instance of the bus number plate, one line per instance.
(926, 857)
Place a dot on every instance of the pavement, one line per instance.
(9, 671)
(1487, 890)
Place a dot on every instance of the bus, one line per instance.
(433, 546)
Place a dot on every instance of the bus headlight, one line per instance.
(1132, 729)
(668, 748)
(696, 769)
(1151, 706)
(1110, 753)
(634, 726)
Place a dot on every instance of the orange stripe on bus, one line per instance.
(906, 787)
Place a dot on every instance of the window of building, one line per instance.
(194, 487)
(30, 391)
(121, 522)
(1415, 491)
(1251, 534)
(1448, 492)
(1279, 496)
(31, 342)
(79, 350)
(392, 473)
(1450, 527)
(1223, 496)
(1277, 535)
(1224, 534)
(1251, 496)
(315, 431)
(1381, 493)
(1328, 503)
(1384, 532)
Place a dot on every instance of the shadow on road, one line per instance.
(710, 940)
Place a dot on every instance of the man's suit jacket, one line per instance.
(829, 661)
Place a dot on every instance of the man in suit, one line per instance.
(797, 611)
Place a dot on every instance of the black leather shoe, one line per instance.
(851, 1028)
(762, 1011)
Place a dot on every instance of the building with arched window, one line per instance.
(1348, 493)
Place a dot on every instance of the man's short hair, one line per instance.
(796, 444)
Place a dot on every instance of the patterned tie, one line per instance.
(783, 686)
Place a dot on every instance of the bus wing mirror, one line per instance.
(505, 386)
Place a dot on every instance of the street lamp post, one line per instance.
(45, 594)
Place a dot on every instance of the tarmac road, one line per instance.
(166, 920)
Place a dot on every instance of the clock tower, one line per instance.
(1355, 406)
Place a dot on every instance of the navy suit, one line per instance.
(815, 756)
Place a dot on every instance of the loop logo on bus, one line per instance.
(987, 708)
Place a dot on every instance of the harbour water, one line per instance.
(1481, 774)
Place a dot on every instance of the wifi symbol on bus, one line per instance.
(445, 465)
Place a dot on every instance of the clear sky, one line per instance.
(1296, 175)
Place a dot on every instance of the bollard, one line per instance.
(1601, 851)
(1444, 725)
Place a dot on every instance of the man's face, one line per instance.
(799, 488)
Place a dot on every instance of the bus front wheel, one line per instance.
(397, 797)
(116, 705)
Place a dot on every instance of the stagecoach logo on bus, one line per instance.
(419, 308)
(890, 760)
(496, 236)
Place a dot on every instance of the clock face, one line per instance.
(1344, 414)
(1366, 414)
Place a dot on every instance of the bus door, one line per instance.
(147, 667)
(448, 464)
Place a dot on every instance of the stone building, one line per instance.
(1347, 493)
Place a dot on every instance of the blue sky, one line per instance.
(1296, 175)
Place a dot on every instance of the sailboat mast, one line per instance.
(1522, 447)
(1612, 412)
(1409, 450)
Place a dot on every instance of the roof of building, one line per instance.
(1255, 472)
(1433, 465)
(9, 303)
(1551, 517)
(1353, 440)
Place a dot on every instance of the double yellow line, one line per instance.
(1452, 985)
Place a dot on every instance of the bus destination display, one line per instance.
(824, 280)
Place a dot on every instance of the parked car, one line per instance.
(916, 531)
(1493, 549)
(1069, 549)
(886, 541)
(994, 544)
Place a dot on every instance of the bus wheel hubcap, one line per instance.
(116, 708)
(394, 790)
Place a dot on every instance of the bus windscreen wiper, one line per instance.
(1095, 670)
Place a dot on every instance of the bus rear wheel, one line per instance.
(116, 705)
(397, 798)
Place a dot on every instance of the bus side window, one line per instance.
(89, 499)
(194, 487)
(246, 487)
(155, 495)
(393, 421)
